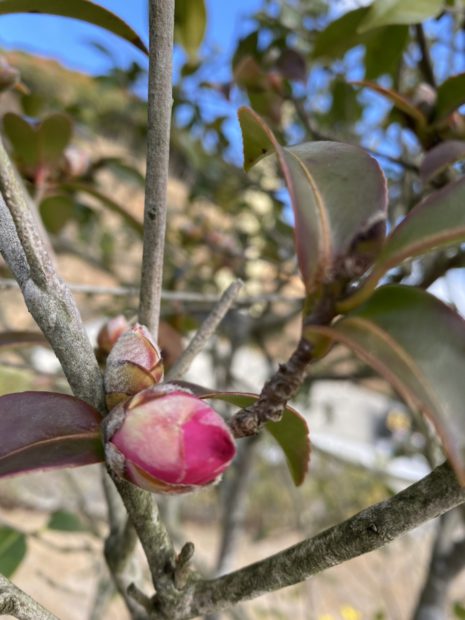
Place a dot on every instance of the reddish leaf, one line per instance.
(42, 430)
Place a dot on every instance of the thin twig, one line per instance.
(426, 65)
(206, 331)
(15, 602)
(160, 101)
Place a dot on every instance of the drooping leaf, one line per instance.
(440, 157)
(398, 100)
(436, 222)
(418, 344)
(64, 521)
(291, 432)
(190, 24)
(451, 95)
(42, 430)
(56, 211)
(83, 10)
(106, 202)
(337, 191)
(386, 12)
(13, 548)
(21, 338)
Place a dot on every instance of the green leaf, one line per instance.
(54, 135)
(386, 12)
(291, 432)
(12, 550)
(83, 10)
(64, 521)
(418, 344)
(459, 611)
(338, 194)
(55, 212)
(43, 430)
(451, 95)
(190, 25)
(436, 222)
(23, 139)
(106, 202)
(384, 49)
(339, 36)
(439, 158)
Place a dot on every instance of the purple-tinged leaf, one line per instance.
(440, 158)
(290, 433)
(42, 430)
(338, 194)
(451, 95)
(22, 338)
(436, 222)
(418, 344)
(83, 10)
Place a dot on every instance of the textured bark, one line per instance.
(15, 602)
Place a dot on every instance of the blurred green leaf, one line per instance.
(337, 193)
(190, 25)
(64, 521)
(23, 139)
(451, 95)
(83, 10)
(54, 135)
(56, 211)
(13, 548)
(384, 49)
(459, 611)
(386, 12)
(418, 344)
(339, 36)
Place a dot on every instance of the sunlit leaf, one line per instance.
(440, 157)
(64, 521)
(418, 344)
(42, 430)
(12, 549)
(83, 10)
(451, 95)
(386, 12)
(190, 24)
(291, 432)
(436, 222)
(337, 191)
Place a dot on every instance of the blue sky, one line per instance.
(68, 40)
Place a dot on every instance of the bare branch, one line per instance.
(16, 603)
(206, 331)
(160, 101)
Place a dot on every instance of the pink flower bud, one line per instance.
(109, 334)
(168, 441)
(134, 364)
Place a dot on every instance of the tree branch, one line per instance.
(368, 530)
(160, 100)
(15, 602)
(425, 59)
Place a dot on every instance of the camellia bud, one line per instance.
(109, 334)
(134, 364)
(166, 440)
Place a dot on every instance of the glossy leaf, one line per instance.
(440, 157)
(42, 430)
(22, 338)
(398, 100)
(291, 432)
(436, 222)
(64, 521)
(418, 344)
(83, 10)
(451, 95)
(106, 202)
(190, 24)
(13, 548)
(337, 191)
(386, 12)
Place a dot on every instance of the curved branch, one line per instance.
(15, 602)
